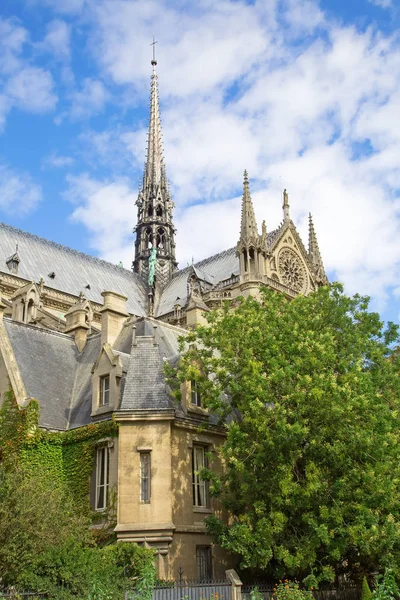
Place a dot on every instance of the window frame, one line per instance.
(102, 477)
(204, 562)
(199, 485)
(195, 396)
(104, 391)
(145, 476)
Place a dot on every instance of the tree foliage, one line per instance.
(308, 392)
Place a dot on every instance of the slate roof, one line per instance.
(73, 270)
(145, 387)
(47, 361)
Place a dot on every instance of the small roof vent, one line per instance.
(52, 275)
(13, 261)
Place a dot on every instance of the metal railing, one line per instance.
(189, 590)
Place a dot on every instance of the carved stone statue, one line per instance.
(152, 265)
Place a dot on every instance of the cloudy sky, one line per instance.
(303, 94)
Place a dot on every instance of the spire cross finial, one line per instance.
(154, 42)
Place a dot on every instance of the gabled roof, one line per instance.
(73, 270)
(47, 362)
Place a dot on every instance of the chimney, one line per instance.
(77, 325)
(113, 316)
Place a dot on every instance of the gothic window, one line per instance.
(160, 238)
(150, 210)
(159, 211)
(291, 270)
(148, 237)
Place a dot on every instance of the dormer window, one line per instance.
(195, 397)
(104, 390)
(12, 262)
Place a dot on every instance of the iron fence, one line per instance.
(189, 590)
(267, 590)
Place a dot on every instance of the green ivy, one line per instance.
(66, 456)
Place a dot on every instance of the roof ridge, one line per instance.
(38, 238)
(41, 329)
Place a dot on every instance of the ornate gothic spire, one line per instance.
(248, 228)
(154, 172)
(315, 254)
(155, 232)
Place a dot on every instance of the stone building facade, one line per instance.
(88, 340)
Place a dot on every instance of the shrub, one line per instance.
(366, 593)
(386, 587)
(290, 590)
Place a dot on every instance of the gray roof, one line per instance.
(73, 270)
(216, 268)
(145, 387)
(47, 361)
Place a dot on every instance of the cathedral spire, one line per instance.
(155, 232)
(248, 228)
(154, 173)
(315, 254)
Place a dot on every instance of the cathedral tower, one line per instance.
(155, 233)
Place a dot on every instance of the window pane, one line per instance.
(145, 476)
(199, 485)
(102, 477)
(204, 562)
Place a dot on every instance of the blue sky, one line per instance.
(303, 94)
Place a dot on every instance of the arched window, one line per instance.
(150, 210)
(159, 211)
(160, 238)
(148, 236)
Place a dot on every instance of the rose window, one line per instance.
(291, 270)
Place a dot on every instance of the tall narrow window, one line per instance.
(102, 477)
(204, 562)
(145, 477)
(199, 485)
(104, 390)
(195, 393)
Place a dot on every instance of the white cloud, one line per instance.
(31, 89)
(89, 100)
(22, 84)
(107, 209)
(19, 194)
(57, 39)
(58, 161)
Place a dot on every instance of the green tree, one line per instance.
(308, 392)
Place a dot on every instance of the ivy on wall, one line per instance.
(67, 456)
